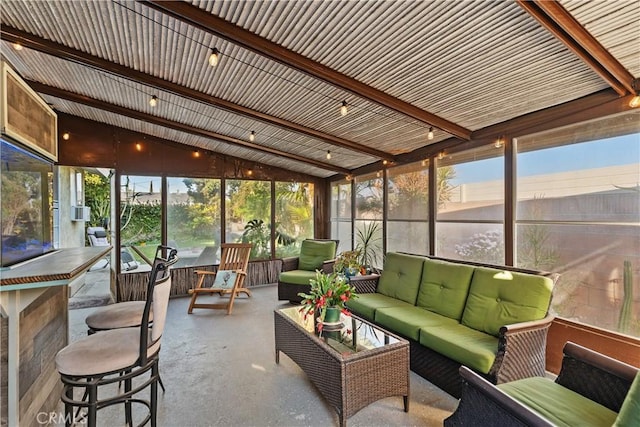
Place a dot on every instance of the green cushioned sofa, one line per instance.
(315, 254)
(592, 390)
(491, 319)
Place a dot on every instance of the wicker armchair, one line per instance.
(597, 377)
(288, 286)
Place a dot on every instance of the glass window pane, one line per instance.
(140, 220)
(341, 215)
(369, 191)
(578, 213)
(193, 220)
(248, 213)
(404, 236)
(294, 216)
(408, 208)
(471, 185)
(471, 242)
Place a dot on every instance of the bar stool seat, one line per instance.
(100, 354)
(115, 316)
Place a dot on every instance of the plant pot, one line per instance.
(332, 315)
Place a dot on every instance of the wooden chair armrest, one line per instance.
(366, 284)
(205, 272)
(525, 326)
(327, 266)
(482, 403)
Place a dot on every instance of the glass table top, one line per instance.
(354, 335)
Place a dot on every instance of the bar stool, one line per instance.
(116, 355)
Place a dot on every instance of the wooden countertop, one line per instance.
(56, 268)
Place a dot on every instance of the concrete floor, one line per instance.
(220, 370)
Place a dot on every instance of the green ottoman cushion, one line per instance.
(629, 414)
(407, 321)
(400, 277)
(297, 277)
(467, 346)
(313, 253)
(444, 287)
(366, 304)
(559, 405)
(497, 298)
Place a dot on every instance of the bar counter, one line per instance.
(34, 326)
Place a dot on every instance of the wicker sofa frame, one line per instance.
(584, 371)
(521, 347)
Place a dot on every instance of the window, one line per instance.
(248, 215)
(193, 220)
(341, 215)
(578, 213)
(471, 205)
(368, 218)
(294, 217)
(408, 210)
(140, 219)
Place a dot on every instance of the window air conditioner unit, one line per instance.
(80, 213)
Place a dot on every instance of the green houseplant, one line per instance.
(327, 297)
(348, 263)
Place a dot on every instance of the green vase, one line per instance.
(332, 315)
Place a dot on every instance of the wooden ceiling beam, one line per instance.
(57, 50)
(559, 22)
(102, 105)
(255, 43)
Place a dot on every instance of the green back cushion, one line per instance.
(629, 414)
(313, 253)
(401, 277)
(559, 405)
(444, 287)
(497, 298)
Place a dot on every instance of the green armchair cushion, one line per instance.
(629, 414)
(407, 321)
(313, 253)
(559, 405)
(498, 298)
(400, 277)
(297, 277)
(467, 346)
(444, 287)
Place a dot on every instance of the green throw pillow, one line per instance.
(224, 279)
(498, 298)
(313, 253)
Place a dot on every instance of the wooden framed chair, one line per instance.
(227, 280)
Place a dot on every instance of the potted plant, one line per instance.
(327, 298)
(369, 245)
(348, 263)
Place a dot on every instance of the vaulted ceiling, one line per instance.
(285, 67)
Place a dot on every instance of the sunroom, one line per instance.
(503, 133)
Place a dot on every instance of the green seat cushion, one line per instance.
(444, 287)
(629, 414)
(498, 298)
(557, 404)
(467, 346)
(407, 320)
(314, 252)
(297, 277)
(367, 304)
(401, 277)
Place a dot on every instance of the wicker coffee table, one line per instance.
(351, 367)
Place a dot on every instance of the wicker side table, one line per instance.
(372, 364)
